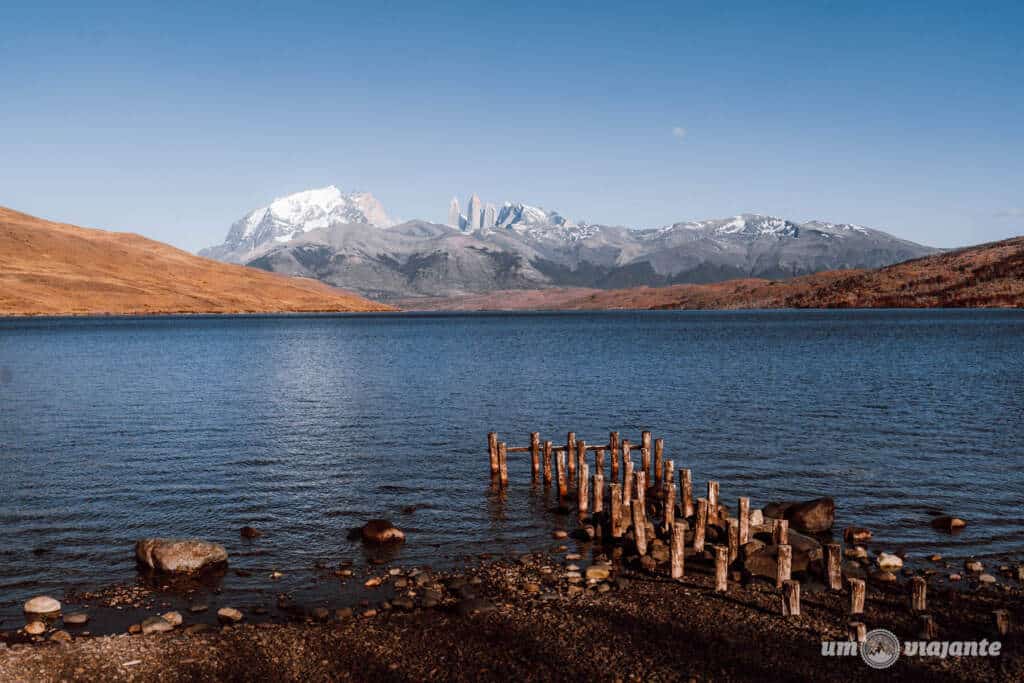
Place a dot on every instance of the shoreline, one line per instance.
(535, 617)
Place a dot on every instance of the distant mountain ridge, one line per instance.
(352, 244)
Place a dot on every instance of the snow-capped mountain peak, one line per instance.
(288, 217)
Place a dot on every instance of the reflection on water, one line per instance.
(111, 430)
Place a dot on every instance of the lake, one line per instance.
(305, 426)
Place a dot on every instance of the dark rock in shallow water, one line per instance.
(812, 516)
(179, 556)
(381, 531)
(948, 523)
(856, 534)
(250, 532)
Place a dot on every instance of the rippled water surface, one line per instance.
(116, 429)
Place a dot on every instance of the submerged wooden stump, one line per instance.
(492, 449)
(535, 455)
(503, 464)
(563, 476)
(570, 449)
(582, 491)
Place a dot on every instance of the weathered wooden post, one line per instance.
(563, 484)
(686, 491)
(582, 494)
(780, 532)
(503, 463)
(928, 628)
(790, 598)
(639, 527)
(535, 455)
(616, 503)
(833, 566)
(785, 565)
(599, 461)
(700, 525)
(492, 449)
(659, 454)
(613, 446)
(570, 448)
(547, 462)
(721, 568)
(598, 492)
(857, 591)
(627, 484)
(581, 459)
(1002, 621)
(918, 591)
(670, 505)
(641, 488)
(712, 502)
(858, 632)
(744, 520)
(645, 442)
(678, 551)
(669, 476)
(732, 531)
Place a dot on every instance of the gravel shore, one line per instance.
(538, 618)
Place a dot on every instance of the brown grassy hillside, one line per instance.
(49, 268)
(988, 275)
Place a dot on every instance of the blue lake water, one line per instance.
(304, 426)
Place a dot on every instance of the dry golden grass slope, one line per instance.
(985, 276)
(49, 268)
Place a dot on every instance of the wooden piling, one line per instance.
(616, 511)
(645, 441)
(791, 598)
(744, 519)
(700, 526)
(1002, 621)
(627, 484)
(639, 527)
(686, 491)
(833, 566)
(581, 459)
(780, 532)
(928, 629)
(641, 488)
(858, 632)
(857, 591)
(598, 491)
(659, 454)
(678, 551)
(785, 565)
(563, 476)
(492, 449)
(613, 446)
(570, 448)
(503, 463)
(547, 462)
(535, 455)
(712, 502)
(732, 531)
(721, 568)
(669, 476)
(669, 506)
(918, 594)
(582, 491)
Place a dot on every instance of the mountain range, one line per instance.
(348, 240)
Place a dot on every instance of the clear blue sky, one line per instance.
(173, 119)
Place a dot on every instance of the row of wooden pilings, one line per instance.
(628, 487)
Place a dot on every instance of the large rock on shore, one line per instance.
(812, 516)
(42, 604)
(763, 561)
(183, 556)
(381, 531)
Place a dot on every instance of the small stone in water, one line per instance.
(173, 618)
(198, 607)
(559, 533)
(35, 628)
(229, 615)
(156, 625)
(42, 604)
(372, 582)
(76, 619)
